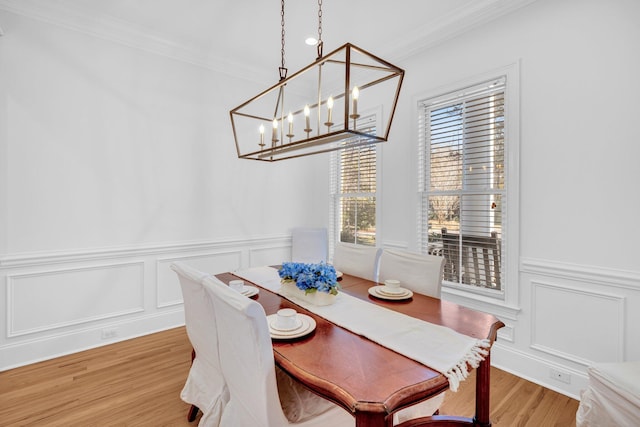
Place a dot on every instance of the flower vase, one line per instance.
(289, 289)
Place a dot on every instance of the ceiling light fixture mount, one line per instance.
(318, 108)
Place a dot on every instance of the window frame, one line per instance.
(508, 295)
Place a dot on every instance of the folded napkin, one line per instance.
(438, 347)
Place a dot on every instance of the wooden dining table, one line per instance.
(370, 381)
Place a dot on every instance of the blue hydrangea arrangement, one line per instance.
(310, 277)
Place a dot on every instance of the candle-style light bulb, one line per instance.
(355, 94)
(275, 130)
(261, 135)
(307, 120)
(290, 120)
(329, 109)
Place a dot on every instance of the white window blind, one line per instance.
(354, 192)
(463, 182)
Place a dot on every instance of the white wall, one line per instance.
(579, 281)
(113, 162)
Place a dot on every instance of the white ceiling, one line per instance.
(243, 36)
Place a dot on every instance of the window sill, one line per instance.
(482, 302)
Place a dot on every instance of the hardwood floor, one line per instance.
(138, 383)
(515, 402)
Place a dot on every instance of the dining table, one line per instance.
(367, 379)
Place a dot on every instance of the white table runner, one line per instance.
(438, 347)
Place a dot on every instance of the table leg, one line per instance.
(483, 388)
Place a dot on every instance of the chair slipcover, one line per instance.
(309, 245)
(418, 272)
(205, 386)
(612, 397)
(422, 274)
(356, 260)
(246, 357)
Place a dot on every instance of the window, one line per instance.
(354, 192)
(463, 183)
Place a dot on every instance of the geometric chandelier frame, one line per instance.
(318, 108)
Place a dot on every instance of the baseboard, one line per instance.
(13, 355)
(538, 370)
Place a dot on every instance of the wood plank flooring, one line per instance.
(138, 382)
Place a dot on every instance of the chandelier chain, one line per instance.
(319, 21)
(320, 43)
(282, 69)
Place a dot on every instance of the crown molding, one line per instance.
(454, 24)
(108, 28)
(125, 33)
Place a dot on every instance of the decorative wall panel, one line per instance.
(592, 323)
(63, 302)
(45, 300)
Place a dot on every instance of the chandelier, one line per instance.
(344, 99)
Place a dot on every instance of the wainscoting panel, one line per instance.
(592, 323)
(59, 303)
(571, 317)
(51, 299)
(168, 286)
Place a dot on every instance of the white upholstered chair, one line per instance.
(246, 356)
(309, 245)
(356, 260)
(612, 397)
(419, 272)
(205, 388)
(422, 274)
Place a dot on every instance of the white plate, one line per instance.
(399, 292)
(338, 274)
(375, 291)
(249, 291)
(308, 325)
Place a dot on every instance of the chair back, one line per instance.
(205, 386)
(357, 260)
(476, 262)
(246, 357)
(418, 272)
(309, 245)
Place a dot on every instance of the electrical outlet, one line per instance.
(108, 333)
(562, 376)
